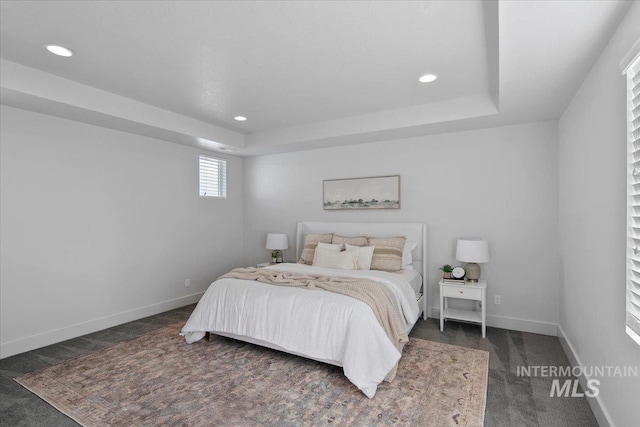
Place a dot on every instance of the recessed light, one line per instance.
(427, 78)
(240, 118)
(59, 50)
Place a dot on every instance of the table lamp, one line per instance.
(472, 251)
(277, 242)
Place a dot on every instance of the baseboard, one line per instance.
(600, 412)
(21, 345)
(523, 325)
(512, 323)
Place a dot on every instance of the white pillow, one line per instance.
(330, 246)
(337, 260)
(407, 258)
(365, 255)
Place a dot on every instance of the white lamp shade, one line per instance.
(472, 250)
(277, 241)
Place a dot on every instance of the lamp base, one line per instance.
(277, 256)
(472, 271)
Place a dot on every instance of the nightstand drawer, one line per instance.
(465, 292)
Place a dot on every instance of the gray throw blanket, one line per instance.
(375, 294)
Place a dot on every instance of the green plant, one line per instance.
(446, 268)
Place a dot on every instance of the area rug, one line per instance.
(158, 380)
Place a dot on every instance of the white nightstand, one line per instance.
(264, 264)
(475, 291)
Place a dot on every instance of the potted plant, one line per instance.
(446, 271)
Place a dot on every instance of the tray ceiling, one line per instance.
(305, 74)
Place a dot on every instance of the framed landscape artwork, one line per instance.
(378, 192)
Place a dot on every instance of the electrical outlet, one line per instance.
(187, 283)
(496, 299)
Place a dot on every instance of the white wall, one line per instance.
(592, 163)
(500, 183)
(100, 227)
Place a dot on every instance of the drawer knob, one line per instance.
(461, 292)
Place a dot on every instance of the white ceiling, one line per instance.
(306, 74)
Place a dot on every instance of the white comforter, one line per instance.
(310, 322)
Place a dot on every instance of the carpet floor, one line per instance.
(157, 379)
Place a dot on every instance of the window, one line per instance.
(633, 200)
(213, 177)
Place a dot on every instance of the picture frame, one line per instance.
(375, 192)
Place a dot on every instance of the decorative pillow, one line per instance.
(336, 260)
(354, 241)
(387, 255)
(329, 246)
(311, 240)
(407, 257)
(365, 254)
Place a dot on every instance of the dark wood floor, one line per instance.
(514, 400)
(511, 400)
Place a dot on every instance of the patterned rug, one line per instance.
(157, 379)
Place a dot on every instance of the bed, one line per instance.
(316, 324)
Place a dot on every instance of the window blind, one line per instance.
(213, 177)
(633, 201)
